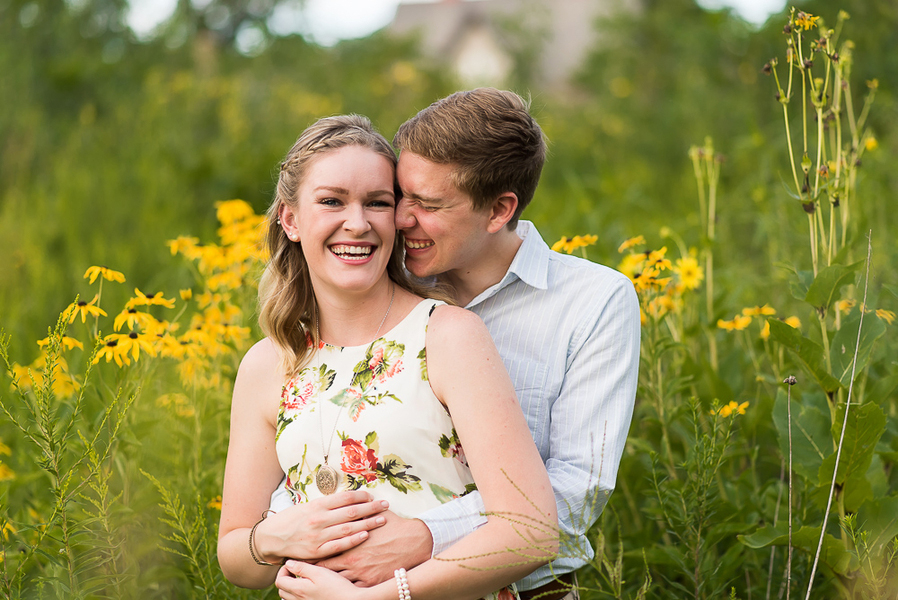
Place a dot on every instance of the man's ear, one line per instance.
(502, 211)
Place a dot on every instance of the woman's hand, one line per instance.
(320, 528)
(301, 581)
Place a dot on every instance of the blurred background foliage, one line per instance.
(111, 144)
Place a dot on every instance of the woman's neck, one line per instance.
(354, 320)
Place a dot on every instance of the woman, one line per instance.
(350, 395)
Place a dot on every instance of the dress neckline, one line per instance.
(386, 333)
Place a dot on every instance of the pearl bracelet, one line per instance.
(402, 584)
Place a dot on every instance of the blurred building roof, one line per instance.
(482, 40)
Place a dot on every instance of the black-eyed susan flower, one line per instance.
(84, 309)
(132, 318)
(112, 351)
(759, 311)
(133, 343)
(67, 342)
(108, 274)
(689, 272)
(141, 299)
(215, 503)
(568, 245)
(737, 323)
(631, 243)
(886, 315)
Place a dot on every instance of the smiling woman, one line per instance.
(351, 399)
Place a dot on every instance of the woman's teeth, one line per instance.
(352, 252)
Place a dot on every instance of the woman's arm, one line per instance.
(467, 374)
(308, 531)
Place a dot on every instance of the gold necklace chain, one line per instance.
(326, 477)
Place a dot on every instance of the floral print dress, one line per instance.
(384, 429)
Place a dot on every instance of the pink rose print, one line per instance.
(505, 594)
(296, 395)
(358, 461)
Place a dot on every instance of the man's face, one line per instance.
(443, 233)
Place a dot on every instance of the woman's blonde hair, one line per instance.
(288, 310)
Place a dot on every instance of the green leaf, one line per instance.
(881, 390)
(802, 281)
(809, 352)
(866, 424)
(833, 554)
(845, 341)
(811, 437)
(823, 291)
(879, 518)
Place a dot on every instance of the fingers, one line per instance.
(355, 512)
(342, 544)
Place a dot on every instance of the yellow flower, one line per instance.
(793, 322)
(845, 306)
(132, 317)
(689, 272)
(84, 308)
(7, 526)
(630, 243)
(186, 294)
(67, 343)
(765, 331)
(737, 323)
(571, 244)
(215, 503)
(112, 350)
(183, 244)
(230, 211)
(870, 143)
(5, 475)
(133, 342)
(631, 264)
(4, 449)
(107, 273)
(758, 311)
(806, 20)
(732, 407)
(886, 315)
(141, 299)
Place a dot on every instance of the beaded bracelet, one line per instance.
(402, 584)
(252, 535)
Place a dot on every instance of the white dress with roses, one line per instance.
(391, 436)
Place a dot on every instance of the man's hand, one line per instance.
(399, 543)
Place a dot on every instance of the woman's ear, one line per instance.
(502, 211)
(287, 219)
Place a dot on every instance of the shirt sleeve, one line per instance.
(590, 419)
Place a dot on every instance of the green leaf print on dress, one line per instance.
(422, 363)
(451, 448)
(301, 390)
(364, 469)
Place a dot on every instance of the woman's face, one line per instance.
(343, 219)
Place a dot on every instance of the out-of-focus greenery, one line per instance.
(110, 146)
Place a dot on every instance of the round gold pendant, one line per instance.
(326, 479)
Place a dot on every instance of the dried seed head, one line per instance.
(808, 63)
(790, 380)
(767, 69)
(787, 29)
(808, 207)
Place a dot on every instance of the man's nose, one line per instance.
(405, 218)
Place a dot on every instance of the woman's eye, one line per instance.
(381, 204)
(329, 202)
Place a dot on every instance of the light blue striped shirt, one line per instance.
(568, 332)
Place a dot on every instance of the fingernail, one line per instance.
(385, 504)
(364, 535)
(380, 520)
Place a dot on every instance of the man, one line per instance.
(567, 329)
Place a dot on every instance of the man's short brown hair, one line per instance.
(490, 137)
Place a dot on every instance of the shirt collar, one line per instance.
(530, 264)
